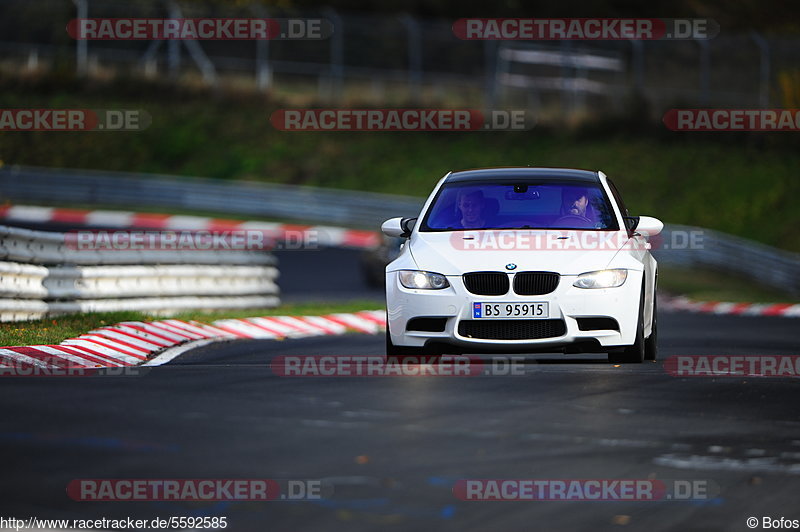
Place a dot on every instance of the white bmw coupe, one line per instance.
(523, 260)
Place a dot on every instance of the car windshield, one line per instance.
(520, 205)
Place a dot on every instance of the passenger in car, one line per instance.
(471, 205)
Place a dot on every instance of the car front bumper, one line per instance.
(566, 303)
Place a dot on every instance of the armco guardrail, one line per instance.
(22, 280)
(711, 249)
(261, 233)
(46, 247)
(116, 189)
(65, 280)
(31, 309)
(97, 282)
(693, 247)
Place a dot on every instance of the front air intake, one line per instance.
(597, 324)
(511, 329)
(427, 324)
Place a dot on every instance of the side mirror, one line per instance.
(649, 226)
(398, 227)
(630, 223)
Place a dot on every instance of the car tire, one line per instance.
(633, 354)
(404, 354)
(373, 272)
(651, 343)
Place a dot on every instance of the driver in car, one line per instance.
(576, 204)
(575, 209)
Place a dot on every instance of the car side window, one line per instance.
(618, 198)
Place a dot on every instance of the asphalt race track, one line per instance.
(393, 447)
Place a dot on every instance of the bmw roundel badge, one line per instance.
(511, 266)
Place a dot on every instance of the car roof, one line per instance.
(523, 173)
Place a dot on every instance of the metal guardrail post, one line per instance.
(82, 45)
(490, 69)
(336, 70)
(503, 69)
(263, 67)
(764, 68)
(705, 68)
(195, 51)
(568, 97)
(174, 45)
(149, 61)
(414, 57)
(638, 65)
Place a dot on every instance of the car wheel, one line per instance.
(373, 272)
(651, 343)
(404, 354)
(633, 354)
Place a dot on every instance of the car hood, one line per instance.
(565, 252)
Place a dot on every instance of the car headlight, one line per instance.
(601, 279)
(423, 280)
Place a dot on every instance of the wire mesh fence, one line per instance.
(401, 58)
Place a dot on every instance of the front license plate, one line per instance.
(516, 310)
